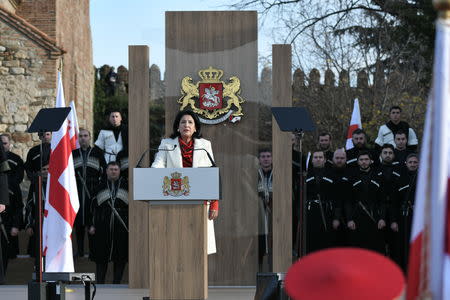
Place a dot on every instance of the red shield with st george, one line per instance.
(210, 95)
(175, 184)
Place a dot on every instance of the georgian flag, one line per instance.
(61, 205)
(429, 259)
(355, 123)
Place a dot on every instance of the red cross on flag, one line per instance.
(61, 203)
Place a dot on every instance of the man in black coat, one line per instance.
(401, 150)
(319, 205)
(4, 201)
(324, 144)
(89, 163)
(401, 211)
(359, 139)
(33, 161)
(342, 190)
(110, 224)
(389, 173)
(13, 216)
(366, 212)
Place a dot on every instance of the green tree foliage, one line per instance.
(105, 102)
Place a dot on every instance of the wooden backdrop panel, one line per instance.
(139, 141)
(227, 41)
(282, 163)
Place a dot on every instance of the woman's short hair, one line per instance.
(176, 123)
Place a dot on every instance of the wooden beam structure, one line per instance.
(139, 141)
(282, 162)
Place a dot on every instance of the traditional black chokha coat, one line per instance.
(89, 169)
(366, 207)
(401, 211)
(33, 161)
(13, 216)
(4, 199)
(110, 241)
(320, 209)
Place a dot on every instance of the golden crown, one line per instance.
(210, 74)
(176, 175)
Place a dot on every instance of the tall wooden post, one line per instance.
(139, 141)
(282, 162)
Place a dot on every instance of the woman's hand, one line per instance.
(213, 214)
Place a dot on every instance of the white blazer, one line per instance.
(172, 159)
(385, 136)
(107, 142)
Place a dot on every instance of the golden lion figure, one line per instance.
(189, 91)
(232, 91)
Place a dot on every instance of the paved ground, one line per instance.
(121, 292)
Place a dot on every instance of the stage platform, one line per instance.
(122, 292)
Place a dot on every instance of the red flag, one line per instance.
(355, 123)
(61, 203)
(429, 260)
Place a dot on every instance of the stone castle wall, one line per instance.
(25, 73)
(329, 99)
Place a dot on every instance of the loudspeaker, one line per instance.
(270, 286)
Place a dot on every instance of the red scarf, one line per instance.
(187, 152)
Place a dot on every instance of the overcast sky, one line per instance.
(141, 22)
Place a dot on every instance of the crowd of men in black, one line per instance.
(101, 173)
(361, 197)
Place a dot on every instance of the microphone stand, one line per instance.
(138, 165)
(301, 226)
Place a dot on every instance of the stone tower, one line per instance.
(35, 36)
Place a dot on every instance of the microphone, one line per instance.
(213, 164)
(138, 165)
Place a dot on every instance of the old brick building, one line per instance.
(35, 36)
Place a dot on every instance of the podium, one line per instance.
(178, 265)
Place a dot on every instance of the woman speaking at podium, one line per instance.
(187, 149)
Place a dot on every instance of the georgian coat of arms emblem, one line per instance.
(176, 185)
(217, 101)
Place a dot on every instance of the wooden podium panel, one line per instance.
(182, 257)
(225, 40)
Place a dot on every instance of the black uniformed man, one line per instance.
(359, 139)
(33, 161)
(319, 204)
(365, 212)
(4, 201)
(324, 144)
(401, 211)
(13, 216)
(401, 150)
(389, 173)
(89, 163)
(264, 206)
(342, 191)
(110, 224)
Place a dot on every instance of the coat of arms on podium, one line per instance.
(176, 185)
(217, 101)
